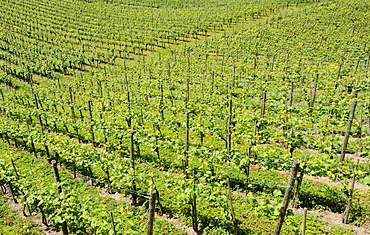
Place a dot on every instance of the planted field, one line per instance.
(239, 114)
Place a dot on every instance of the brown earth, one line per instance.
(17, 208)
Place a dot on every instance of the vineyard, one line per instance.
(185, 117)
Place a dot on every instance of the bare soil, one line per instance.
(179, 224)
(356, 158)
(335, 220)
(327, 180)
(176, 222)
(17, 208)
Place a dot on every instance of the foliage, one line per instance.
(77, 84)
(11, 224)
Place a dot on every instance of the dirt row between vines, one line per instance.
(174, 221)
(18, 209)
(118, 197)
(334, 219)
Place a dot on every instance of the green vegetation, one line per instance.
(181, 96)
(83, 207)
(12, 224)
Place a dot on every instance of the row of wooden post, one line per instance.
(228, 148)
(229, 121)
(151, 210)
(287, 197)
(194, 217)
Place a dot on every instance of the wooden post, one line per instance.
(357, 63)
(57, 179)
(153, 196)
(40, 121)
(291, 94)
(11, 186)
(132, 165)
(299, 183)
(255, 132)
(16, 142)
(285, 127)
(71, 100)
(339, 69)
(235, 221)
(7, 138)
(2, 94)
(156, 149)
(212, 81)
(74, 170)
(368, 122)
(59, 85)
(47, 151)
(128, 120)
(187, 90)
(35, 98)
(228, 131)
(100, 89)
(304, 220)
(262, 115)
(109, 182)
(349, 202)
(33, 147)
(349, 125)
(161, 105)
(186, 146)
(159, 203)
(201, 133)
(255, 60)
(81, 115)
(78, 134)
(263, 104)
(56, 174)
(287, 195)
(112, 221)
(194, 206)
(89, 104)
(247, 171)
(15, 169)
(12, 192)
(3, 188)
(22, 193)
(91, 175)
(40, 103)
(313, 97)
(273, 62)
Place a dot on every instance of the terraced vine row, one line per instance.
(143, 95)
